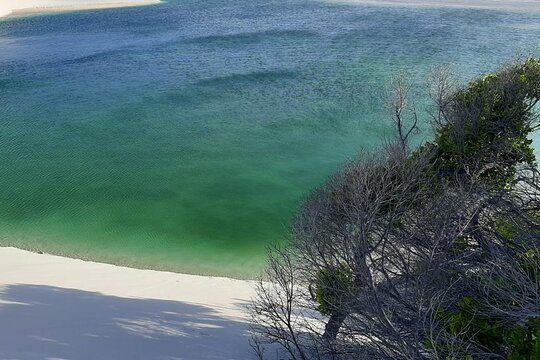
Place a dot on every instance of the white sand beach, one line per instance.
(58, 308)
(28, 7)
(503, 5)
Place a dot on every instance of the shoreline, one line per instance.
(503, 5)
(192, 316)
(128, 261)
(17, 8)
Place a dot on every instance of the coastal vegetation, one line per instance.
(426, 252)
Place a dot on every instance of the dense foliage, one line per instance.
(485, 127)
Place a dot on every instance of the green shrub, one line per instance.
(333, 287)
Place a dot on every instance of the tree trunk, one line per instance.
(331, 329)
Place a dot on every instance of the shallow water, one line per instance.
(183, 136)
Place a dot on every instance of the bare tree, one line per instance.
(368, 252)
(384, 253)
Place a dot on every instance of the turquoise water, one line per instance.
(183, 136)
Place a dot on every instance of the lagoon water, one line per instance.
(184, 136)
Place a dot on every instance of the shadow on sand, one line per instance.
(44, 322)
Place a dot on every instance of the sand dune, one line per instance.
(59, 308)
(25, 7)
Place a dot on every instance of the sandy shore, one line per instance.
(58, 308)
(28, 7)
(503, 5)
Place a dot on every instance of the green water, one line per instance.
(184, 136)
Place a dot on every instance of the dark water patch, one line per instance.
(246, 39)
(112, 55)
(259, 77)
